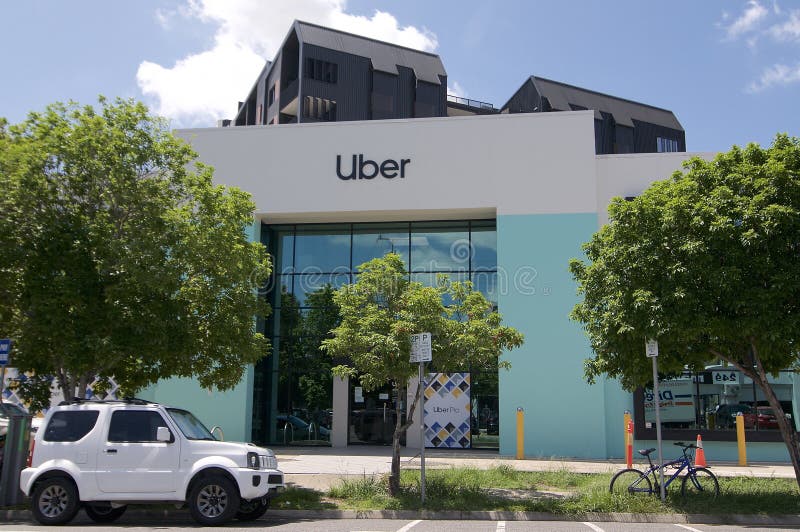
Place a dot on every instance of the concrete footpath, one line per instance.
(321, 467)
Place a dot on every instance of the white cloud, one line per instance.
(205, 86)
(454, 88)
(778, 74)
(789, 30)
(748, 21)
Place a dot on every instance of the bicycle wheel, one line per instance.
(630, 481)
(700, 483)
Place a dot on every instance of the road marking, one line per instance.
(593, 527)
(688, 528)
(410, 525)
(501, 526)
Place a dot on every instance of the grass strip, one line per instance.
(559, 492)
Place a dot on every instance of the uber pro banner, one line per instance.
(447, 410)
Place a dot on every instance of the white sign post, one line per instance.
(421, 352)
(651, 349)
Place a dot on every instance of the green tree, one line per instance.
(120, 258)
(383, 308)
(707, 263)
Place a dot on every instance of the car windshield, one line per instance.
(191, 427)
(765, 411)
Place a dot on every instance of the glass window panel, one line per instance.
(486, 283)
(377, 242)
(322, 251)
(484, 248)
(283, 255)
(430, 279)
(306, 285)
(439, 247)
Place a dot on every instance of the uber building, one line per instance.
(502, 197)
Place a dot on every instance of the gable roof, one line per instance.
(385, 56)
(561, 95)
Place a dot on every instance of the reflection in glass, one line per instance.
(439, 248)
(322, 251)
(484, 247)
(377, 243)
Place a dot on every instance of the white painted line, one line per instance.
(410, 525)
(501, 526)
(593, 527)
(688, 528)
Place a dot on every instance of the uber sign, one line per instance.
(361, 168)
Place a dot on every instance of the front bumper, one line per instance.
(257, 483)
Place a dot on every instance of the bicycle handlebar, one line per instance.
(685, 445)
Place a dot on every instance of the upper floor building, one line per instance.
(325, 75)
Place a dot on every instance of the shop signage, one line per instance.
(361, 168)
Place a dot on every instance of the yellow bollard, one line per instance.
(626, 423)
(520, 433)
(740, 439)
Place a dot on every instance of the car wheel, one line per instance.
(55, 501)
(104, 513)
(252, 509)
(213, 500)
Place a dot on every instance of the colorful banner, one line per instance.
(447, 410)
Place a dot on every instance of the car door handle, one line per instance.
(111, 451)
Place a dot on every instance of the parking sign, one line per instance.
(5, 349)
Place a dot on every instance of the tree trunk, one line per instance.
(394, 477)
(399, 429)
(788, 433)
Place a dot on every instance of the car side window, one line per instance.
(137, 426)
(70, 425)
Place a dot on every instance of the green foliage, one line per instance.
(118, 259)
(705, 262)
(383, 308)
(560, 492)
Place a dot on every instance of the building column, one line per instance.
(341, 408)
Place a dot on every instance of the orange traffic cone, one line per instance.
(700, 455)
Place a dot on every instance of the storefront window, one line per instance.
(710, 400)
(293, 386)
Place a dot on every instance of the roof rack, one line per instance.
(126, 400)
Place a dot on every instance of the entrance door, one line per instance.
(372, 414)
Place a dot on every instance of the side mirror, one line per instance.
(163, 434)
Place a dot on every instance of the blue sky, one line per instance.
(730, 70)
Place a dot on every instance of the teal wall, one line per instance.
(564, 416)
(231, 410)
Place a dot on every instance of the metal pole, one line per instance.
(421, 401)
(658, 427)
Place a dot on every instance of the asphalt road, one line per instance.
(129, 524)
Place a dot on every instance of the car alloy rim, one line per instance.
(53, 501)
(212, 500)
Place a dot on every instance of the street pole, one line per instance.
(658, 428)
(421, 401)
(651, 350)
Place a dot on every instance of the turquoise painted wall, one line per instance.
(564, 416)
(231, 410)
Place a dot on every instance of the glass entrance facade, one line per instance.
(292, 393)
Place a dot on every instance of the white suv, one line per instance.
(105, 455)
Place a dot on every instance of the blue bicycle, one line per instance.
(697, 482)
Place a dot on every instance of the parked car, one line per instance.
(766, 417)
(13, 409)
(105, 455)
(726, 415)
